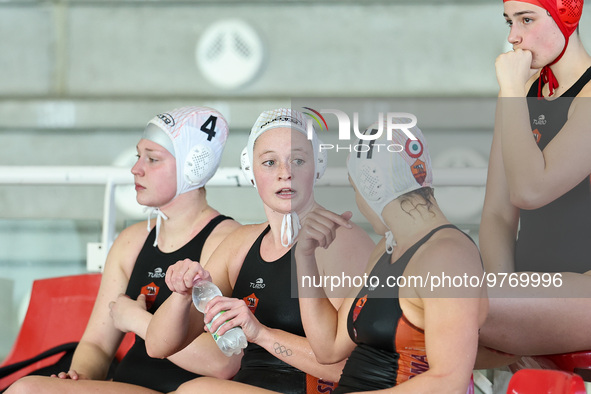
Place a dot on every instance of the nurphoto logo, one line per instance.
(394, 121)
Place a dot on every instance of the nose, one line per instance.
(285, 171)
(514, 37)
(137, 168)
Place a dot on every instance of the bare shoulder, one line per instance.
(137, 232)
(449, 265)
(126, 247)
(450, 250)
(231, 251)
(217, 236)
(243, 236)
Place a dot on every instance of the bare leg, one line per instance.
(213, 385)
(42, 384)
(537, 321)
(487, 358)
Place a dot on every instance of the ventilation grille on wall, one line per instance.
(229, 54)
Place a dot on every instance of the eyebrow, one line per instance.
(293, 150)
(137, 148)
(519, 13)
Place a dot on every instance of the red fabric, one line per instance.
(536, 381)
(569, 361)
(58, 312)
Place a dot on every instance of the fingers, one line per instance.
(234, 313)
(181, 276)
(347, 216)
(514, 68)
(71, 374)
(321, 225)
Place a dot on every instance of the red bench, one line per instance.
(58, 312)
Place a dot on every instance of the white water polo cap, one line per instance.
(390, 167)
(195, 136)
(281, 118)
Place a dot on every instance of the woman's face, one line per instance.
(533, 29)
(283, 167)
(154, 174)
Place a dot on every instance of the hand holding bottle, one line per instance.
(181, 276)
(231, 341)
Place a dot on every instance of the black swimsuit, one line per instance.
(557, 236)
(390, 349)
(148, 278)
(266, 289)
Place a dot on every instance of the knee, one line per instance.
(197, 385)
(27, 384)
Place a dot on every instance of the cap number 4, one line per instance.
(209, 127)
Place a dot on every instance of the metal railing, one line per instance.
(111, 177)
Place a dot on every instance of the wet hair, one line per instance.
(423, 197)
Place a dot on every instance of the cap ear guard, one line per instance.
(246, 166)
(321, 160)
(371, 184)
(199, 164)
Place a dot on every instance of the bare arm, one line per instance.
(500, 218)
(535, 177)
(101, 338)
(176, 323)
(326, 328)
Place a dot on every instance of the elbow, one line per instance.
(327, 359)
(153, 349)
(324, 360)
(526, 199)
(224, 374)
(227, 369)
(333, 371)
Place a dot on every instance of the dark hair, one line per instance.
(423, 197)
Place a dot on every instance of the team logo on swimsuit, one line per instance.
(358, 306)
(540, 121)
(258, 284)
(150, 291)
(418, 171)
(157, 274)
(414, 148)
(251, 301)
(537, 135)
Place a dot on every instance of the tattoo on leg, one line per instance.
(282, 350)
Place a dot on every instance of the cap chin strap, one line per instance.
(548, 77)
(390, 242)
(290, 227)
(159, 216)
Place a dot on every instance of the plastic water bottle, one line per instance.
(234, 340)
